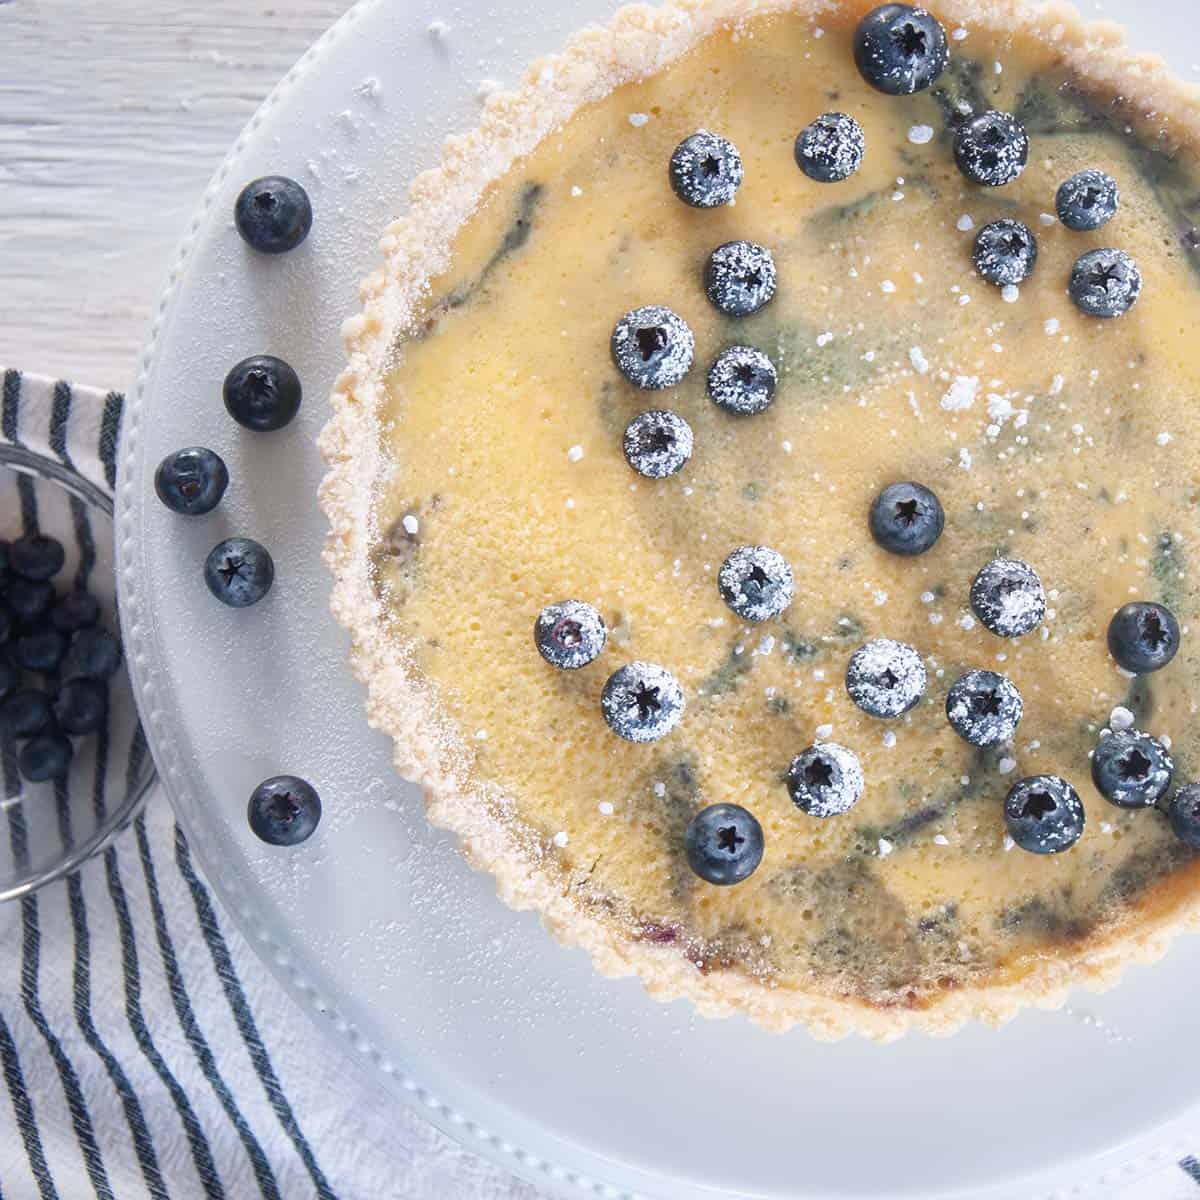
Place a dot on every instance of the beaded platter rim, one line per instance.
(640, 41)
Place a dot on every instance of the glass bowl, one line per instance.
(48, 829)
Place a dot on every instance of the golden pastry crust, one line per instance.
(637, 43)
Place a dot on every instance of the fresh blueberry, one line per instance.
(569, 634)
(191, 481)
(45, 756)
(262, 393)
(1008, 598)
(81, 705)
(239, 572)
(756, 582)
(1005, 252)
(724, 844)
(885, 678)
(906, 518)
(1143, 637)
(36, 556)
(706, 170)
(10, 678)
(40, 649)
(1131, 769)
(1105, 283)
(900, 49)
(826, 780)
(1044, 814)
(984, 708)
(284, 810)
(831, 148)
(991, 149)
(642, 702)
(1087, 200)
(29, 599)
(75, 611)
(94, 654)
(740, 278)
(25, 713)
(1184, 811)
(742, 380)
(658, 443)
(653, 347)
(273, 214)
(6, 624)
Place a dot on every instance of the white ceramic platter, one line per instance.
(511, 1042)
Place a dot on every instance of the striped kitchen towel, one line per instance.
(144, 1049)
(145, 1052)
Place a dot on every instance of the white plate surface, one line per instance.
(510, 1041)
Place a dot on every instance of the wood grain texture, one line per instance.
(113, 115)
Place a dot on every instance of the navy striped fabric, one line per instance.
(144, 1050)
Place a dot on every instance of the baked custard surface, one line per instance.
(477, 475)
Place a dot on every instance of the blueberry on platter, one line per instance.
(906, 518)
(273, 214)
(1131, 769)
(900, 49)
(653, 347)
(724, 844)
(262, 393)
(239, 572)
(284, 810)
(191, 481)
(1044, 814)
(1143, 637)
(706, 170)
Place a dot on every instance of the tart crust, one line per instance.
(638, 42)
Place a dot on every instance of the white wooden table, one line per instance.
(113, 115)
